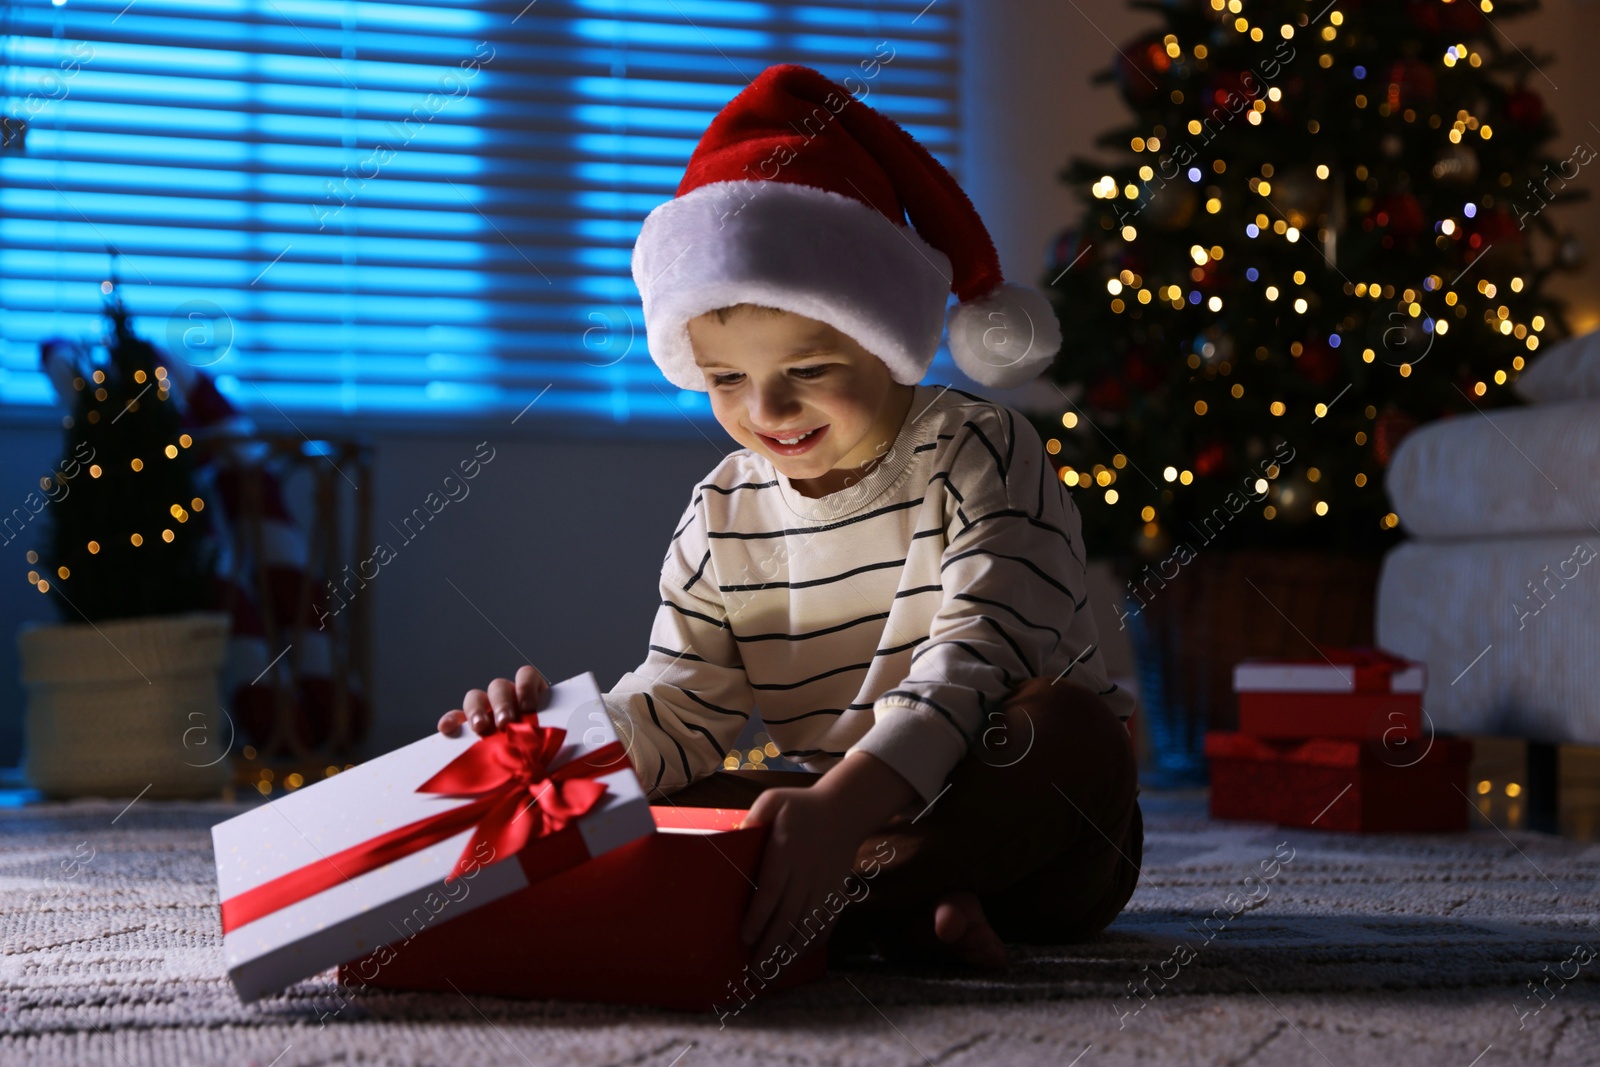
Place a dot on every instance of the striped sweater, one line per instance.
(891, 616)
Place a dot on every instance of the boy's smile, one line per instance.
(774, 376)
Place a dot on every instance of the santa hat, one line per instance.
(795, 198)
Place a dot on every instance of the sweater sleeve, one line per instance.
(1013, 582)
(681, 709)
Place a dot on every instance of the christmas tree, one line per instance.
(1327, 226)
(125, 534)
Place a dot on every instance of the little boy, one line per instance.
(889, 572)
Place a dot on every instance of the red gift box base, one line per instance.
(1348, 716)
(655, 922)
(1295, 783)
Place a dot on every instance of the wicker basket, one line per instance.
(126, 706)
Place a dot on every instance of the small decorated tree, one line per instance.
(125, 534)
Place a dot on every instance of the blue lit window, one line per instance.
(395, 211)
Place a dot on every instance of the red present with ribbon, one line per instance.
(1367, 786)
(421, 836)
(1349, 693)
(654, 922)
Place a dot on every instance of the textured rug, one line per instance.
(1244, 943)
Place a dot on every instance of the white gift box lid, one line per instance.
(1293, 676)
(393, 902)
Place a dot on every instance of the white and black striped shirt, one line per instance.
(891, 616)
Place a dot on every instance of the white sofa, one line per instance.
(1498, 589)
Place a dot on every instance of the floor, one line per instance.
(1468, 950)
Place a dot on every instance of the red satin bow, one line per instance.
(517, 798)
(1375, 668)
(509, 771)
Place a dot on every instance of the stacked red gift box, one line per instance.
(1341, 742)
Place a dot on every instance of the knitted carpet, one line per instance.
(1466, 949)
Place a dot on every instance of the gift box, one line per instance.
(426, 834)
(1337, 784)
(1351, 693)
(654, 922)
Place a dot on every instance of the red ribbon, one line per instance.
(1374, 668)
(500, 772)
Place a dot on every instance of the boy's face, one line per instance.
(776, 376)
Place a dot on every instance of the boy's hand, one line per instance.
(811, 847)
(503, 702)
(810, 851)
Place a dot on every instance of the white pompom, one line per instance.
(1005, 339)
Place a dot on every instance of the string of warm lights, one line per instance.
(136, 464)
(1172, 210)
(125, 525)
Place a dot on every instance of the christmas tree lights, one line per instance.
(1327, 227)
(127, 534)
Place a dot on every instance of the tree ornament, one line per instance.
(1140, 371)
(1212, 460)
(1142, 69)
(1495, 234)
(1425, 15)
(1400, 214)
(1462, 18)
(1228, 87)
(1318, 361)
(1108, 394)
(1388, 429)
(1411, 84)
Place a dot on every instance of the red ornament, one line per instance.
(1212, 460)
(1462, 17)
(1388, 430)
(1525, 108)
(1426, 15)
(1411, 82)
(1108, 394)
(1214, 277)
(1226, 82)
(1400, 214)
(1495, 230)
(1141, 372)
(1142, 68)
(1131, 260)
(1318, 362)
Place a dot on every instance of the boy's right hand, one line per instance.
(503, 702)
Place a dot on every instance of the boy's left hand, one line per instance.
(811, 848)
(810, 851)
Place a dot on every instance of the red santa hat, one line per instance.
(795, 198)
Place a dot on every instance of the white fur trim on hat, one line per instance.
(807, 250)
(1005, 339)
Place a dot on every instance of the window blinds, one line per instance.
(398, 214)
